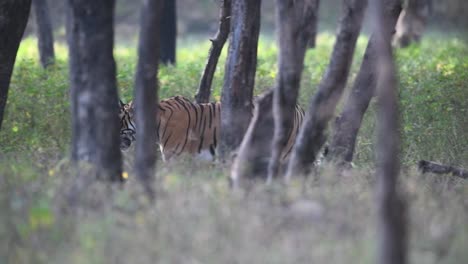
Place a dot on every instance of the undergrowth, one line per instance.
(53, 213)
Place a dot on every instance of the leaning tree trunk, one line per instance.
(343, 139)
(294, 20)
(239, 78)
(217, 44)
(295, 30)
(168, 32)
(392, 240)
(322, 106)
(45, 36)
(94, 99)
(146, 93)
(13, 19)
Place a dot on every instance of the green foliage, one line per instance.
(196, 217)
(433, 93)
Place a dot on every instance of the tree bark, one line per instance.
(294, 33)
(254, 152)
(13, 19)
(312, 21)
(168, 32)
(322, 106)
(391, 223)
(411, 23)
(146, 94)
(95, 124)
(45, 36)
(239, 78)
(343, 139)
(217, 44)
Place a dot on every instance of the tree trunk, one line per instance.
(343, 140)
(411, 23)
(95, 124)
(322, 105)
(294, 33)
(13, 19)
(44, 34)
(254, 152)
(312, 25)
(168, 32)
(239, 78)
(217, 44)
(392, 240)
(146, 93)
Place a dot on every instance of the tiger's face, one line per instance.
(127, 125)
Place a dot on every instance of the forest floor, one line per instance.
(48, 215)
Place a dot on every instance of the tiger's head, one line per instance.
(127, 125)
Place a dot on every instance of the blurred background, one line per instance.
(199, 18)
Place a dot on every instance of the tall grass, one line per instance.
(49, 215)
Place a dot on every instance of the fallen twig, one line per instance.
(429, 166)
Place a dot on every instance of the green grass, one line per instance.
(46, 217)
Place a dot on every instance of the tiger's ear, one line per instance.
(121, 104)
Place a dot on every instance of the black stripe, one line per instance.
(188, 128)
(202, 134)
(211, 115)
(215, 141)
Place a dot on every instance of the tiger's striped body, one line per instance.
(186, 127)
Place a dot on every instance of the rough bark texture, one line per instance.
(95, 124)
(412, 22)
(322, 105)
(294, 33)
(217, 44)
(391, 223)
(312, 23)
(239, 78)
(343, 139)
(146, 93)
(168, 32)
(432, 167)
(13, 18)
(255, 151)
(45, 36)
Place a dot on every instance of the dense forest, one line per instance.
(233, 131)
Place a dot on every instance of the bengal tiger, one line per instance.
(186, 127)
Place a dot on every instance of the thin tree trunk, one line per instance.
(343, 139)
(45, 36)
(168, 32)
(392, 240)
(322, 106)
(95, 124)
(217, 44)
(13, 19)
(146, 94)
(239, 78)
(294, 33)
(255, 152)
